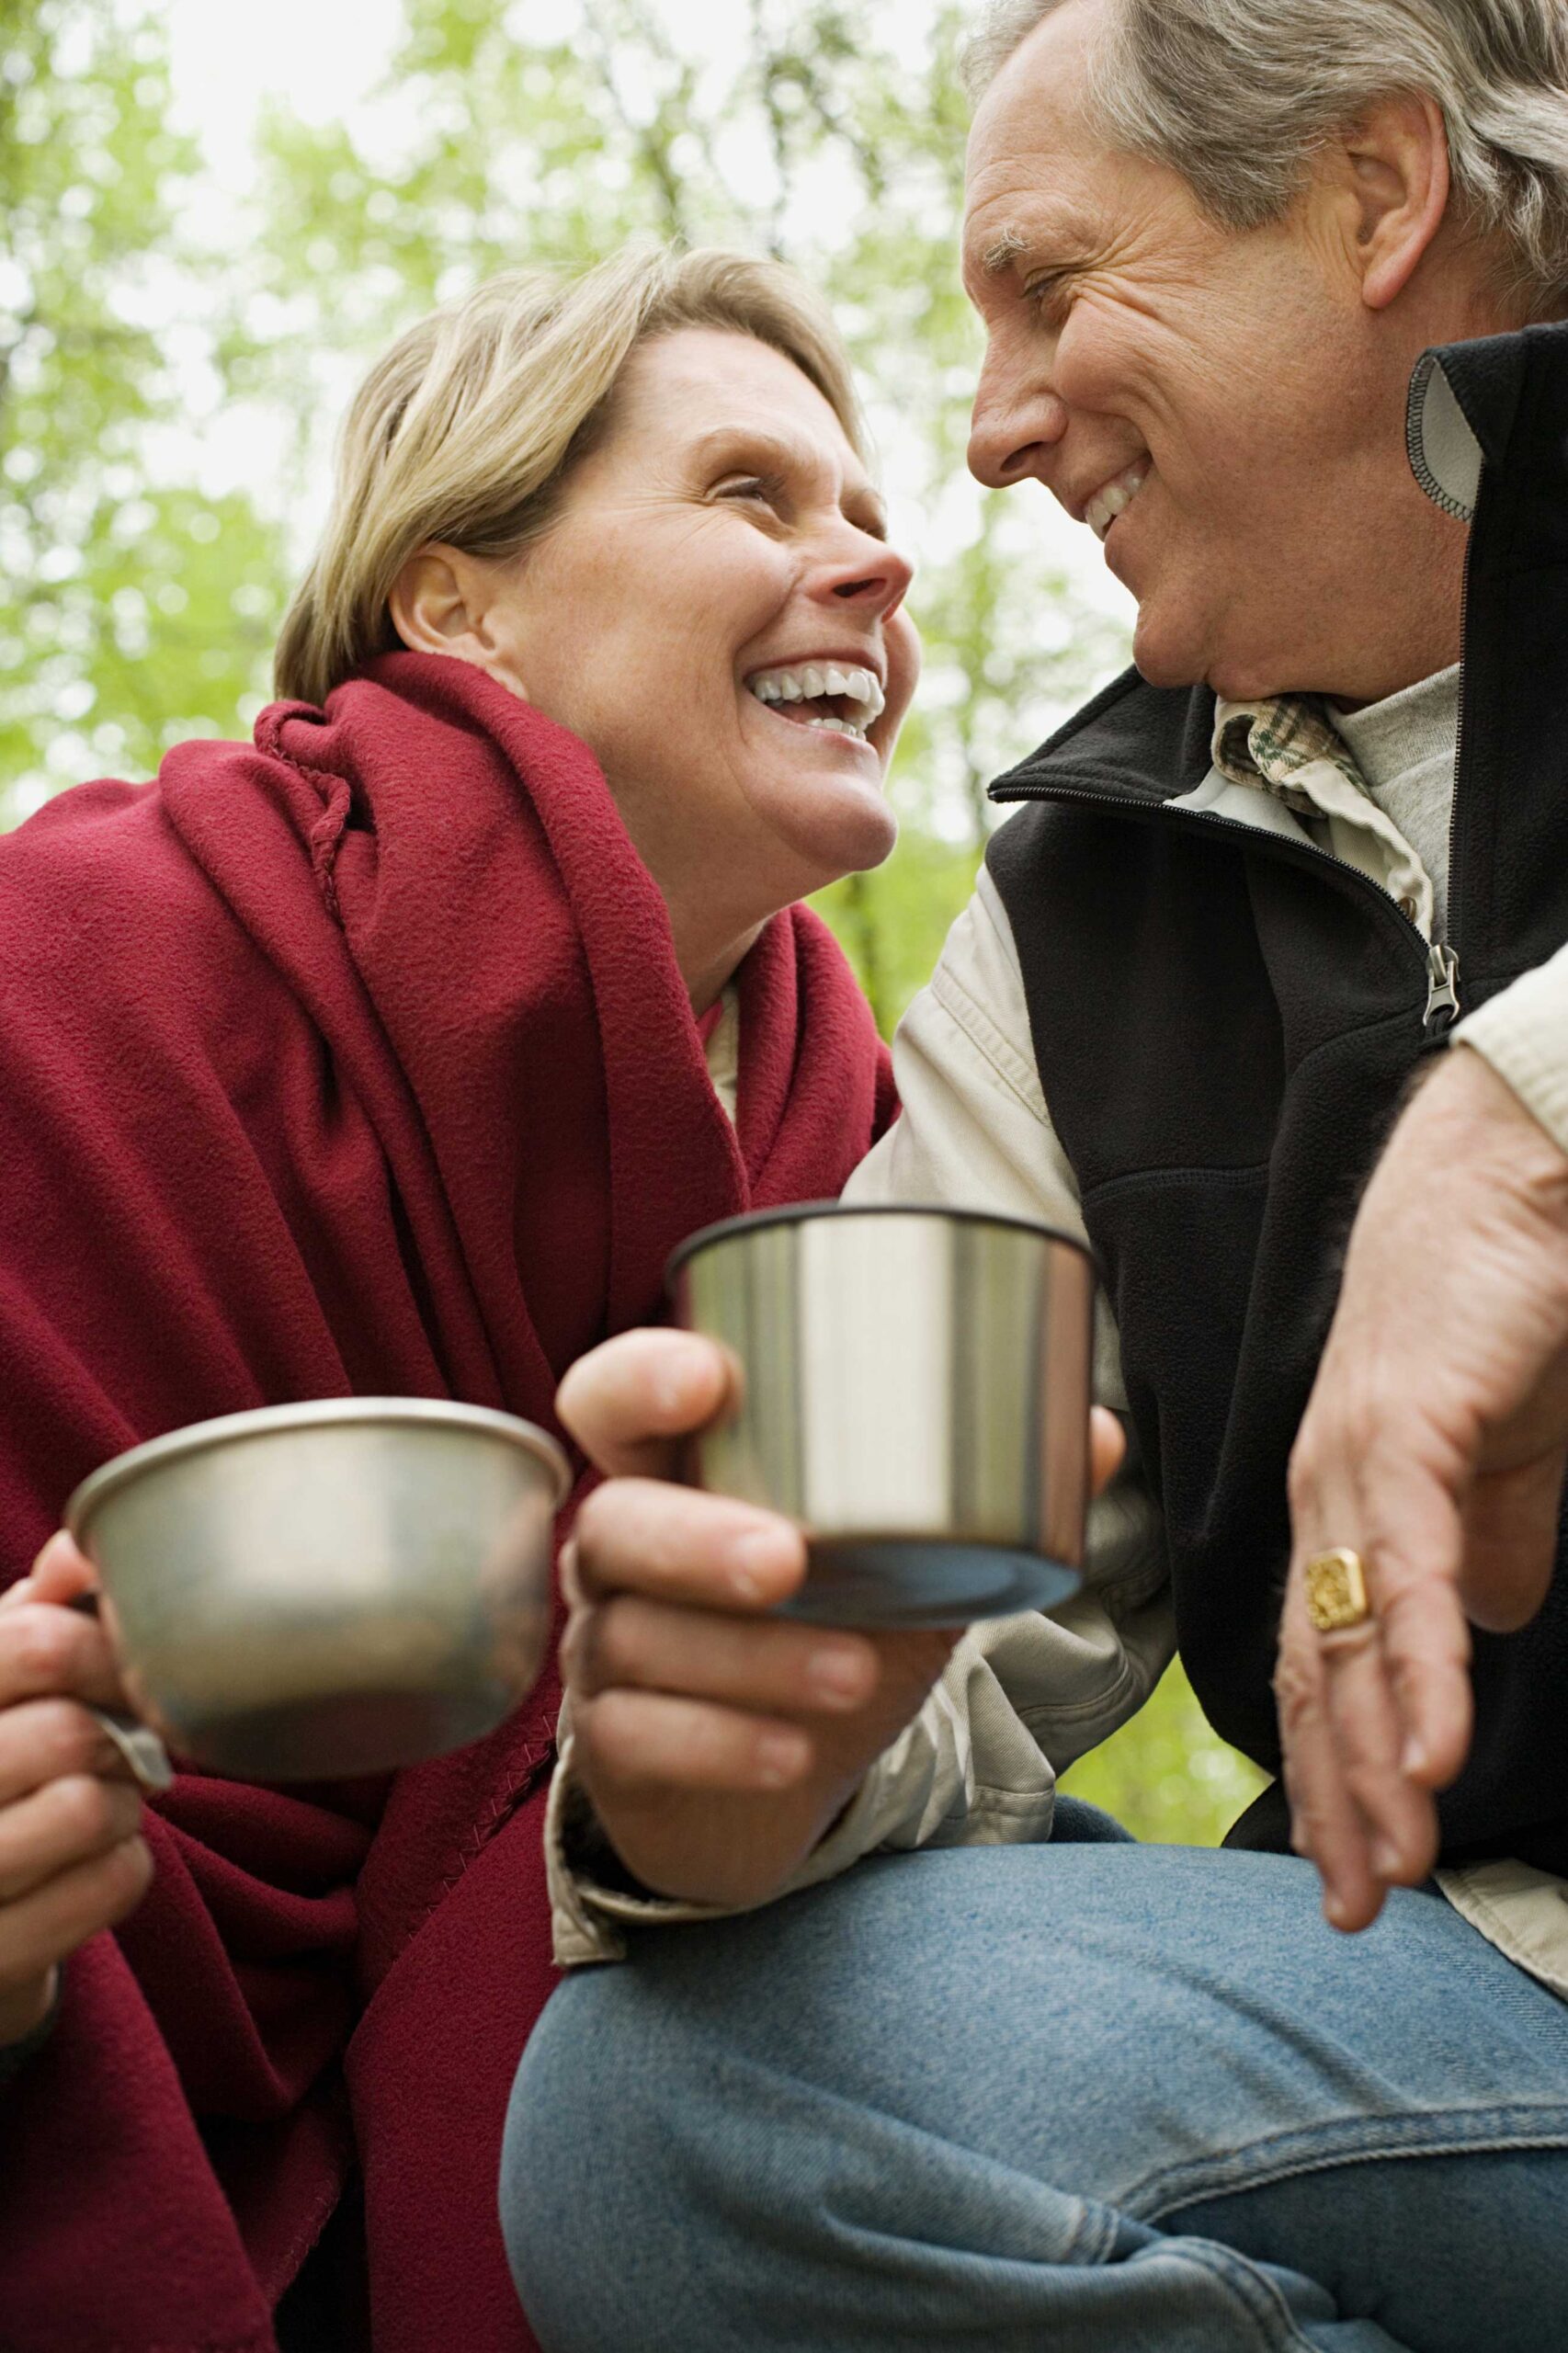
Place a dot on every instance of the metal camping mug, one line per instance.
(912, 1389)
(316, 1591)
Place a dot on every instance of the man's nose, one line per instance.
(1016, 430)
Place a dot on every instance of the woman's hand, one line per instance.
(717, 1743)
(70, 1860)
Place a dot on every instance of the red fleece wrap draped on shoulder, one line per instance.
(355, 1061)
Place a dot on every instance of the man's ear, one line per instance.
(1397, 190)
(444, 602)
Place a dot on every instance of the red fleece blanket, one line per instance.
(355, 1061)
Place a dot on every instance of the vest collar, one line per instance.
(1472, 408)
(1134, 743)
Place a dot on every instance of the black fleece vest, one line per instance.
(1225, 1021)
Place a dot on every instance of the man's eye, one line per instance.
(1046, 295)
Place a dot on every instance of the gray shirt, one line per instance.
(1406, 749)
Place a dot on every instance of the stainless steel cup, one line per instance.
(913, 1390)
(316, 1591)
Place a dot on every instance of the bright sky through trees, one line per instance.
(322, 60)
(215, 218)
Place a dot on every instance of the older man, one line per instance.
(1079, 2094)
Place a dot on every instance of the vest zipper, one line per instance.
(1443, 996)
(1439, 966)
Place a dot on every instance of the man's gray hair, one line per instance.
(1237, 95)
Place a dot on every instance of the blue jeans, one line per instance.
(1068, 2098)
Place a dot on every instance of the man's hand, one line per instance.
(717, 1743)
(1434, 1446)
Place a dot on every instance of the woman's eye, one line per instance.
(765, 488)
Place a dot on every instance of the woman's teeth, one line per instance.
(835, 726)
(1115, 499)
(821, 682)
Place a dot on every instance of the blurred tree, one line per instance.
(821, 139)
(1166, 1776)
(132, 610)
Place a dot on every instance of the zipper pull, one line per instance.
(1443, 995)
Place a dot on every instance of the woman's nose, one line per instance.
(873, 578)
(1016, 430)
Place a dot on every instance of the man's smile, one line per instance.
(1116, 496)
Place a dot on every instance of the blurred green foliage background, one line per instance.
(138, 605)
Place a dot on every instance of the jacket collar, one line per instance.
(1472, 412)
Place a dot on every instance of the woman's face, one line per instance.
(718, 614)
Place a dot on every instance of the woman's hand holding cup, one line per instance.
(72, 1859)
(716, 1742)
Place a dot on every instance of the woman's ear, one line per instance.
(446, 602)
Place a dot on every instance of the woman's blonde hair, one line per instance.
(469, 428)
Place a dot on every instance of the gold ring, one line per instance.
(1337, 1599)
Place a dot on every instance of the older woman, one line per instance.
(394, 1053)
(1274, 292)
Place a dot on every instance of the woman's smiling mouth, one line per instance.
(1117, 496)
(842, 699)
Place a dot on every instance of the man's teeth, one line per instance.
(812, 681)
(1115, 499)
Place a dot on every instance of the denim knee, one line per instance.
(569, 2207)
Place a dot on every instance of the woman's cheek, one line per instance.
(910, 655)
(759, 583)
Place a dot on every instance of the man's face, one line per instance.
(1220, 407)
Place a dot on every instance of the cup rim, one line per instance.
(802, 1212)
(322, 1413)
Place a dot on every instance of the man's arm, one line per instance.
(1435, 1444)
(1017, 1698)
(1523, 1033)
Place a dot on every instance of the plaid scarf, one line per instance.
(1267, 744)
(1288, 747)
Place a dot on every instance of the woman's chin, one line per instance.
(837, 825)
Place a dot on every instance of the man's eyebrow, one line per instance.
(1010, 246)
(1062, 242)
